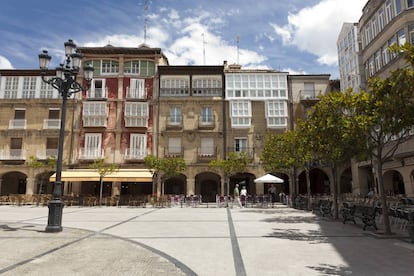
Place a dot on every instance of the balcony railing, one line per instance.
(97, 94)
(44, 154)
(208, 92)
(17, 124)
(175, 122)
(206, 122)
(13, 154)
(132, 121)
(94, 120)
(180, 92)
(135, 94)
(135, 154)
(174, 152)
(312, 95)
(206, 154)
(90, 153)
(51, 124)
(248, 151)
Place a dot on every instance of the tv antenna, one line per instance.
(237, 41)
(204, 50)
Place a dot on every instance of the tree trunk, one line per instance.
(100, 190)
(308, 188)
(383, 196)
(335, 190)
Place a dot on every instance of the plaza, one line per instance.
(195, 241)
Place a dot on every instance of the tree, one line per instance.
(335, 138)
(103, 170)
(387, 115)
(164, 168)
(45, 166)
(236, 162)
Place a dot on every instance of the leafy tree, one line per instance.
(45, 166)
(236, 162)
(165, 168)
(387, 115)
(335, 138)
(103, 170)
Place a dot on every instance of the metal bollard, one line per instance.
(411, 226)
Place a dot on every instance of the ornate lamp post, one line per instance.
(65, 82)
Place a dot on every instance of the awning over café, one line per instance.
(123, 175)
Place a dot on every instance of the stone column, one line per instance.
(190, 186)
(30, 185)
(116, 188)
(1, 180)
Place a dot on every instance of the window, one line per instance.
(93, 146)
(136, 89)
(398, 6)
(206, 115)
(46, 90)
(51, 146)
(401, 37)
(378, 60)
(11, 86)
(174, 86)
(240, 113)
(374, 27)
(94, 114)
(19, 121)
(309, 91)
(16, 146)
(240, 144)
(109, 67)
(391, 42)
(174, 146)
(207, 146)
(368, 33)
(381, 22)
(131, 67)
(29, 87)
(206, 86)
(276, 113)
(136, 114)
(137, 146)
(53, 120)
(385, 58)
(98, 89)
(410, 3)
(388, 11)
(371, 67)
(175, 115)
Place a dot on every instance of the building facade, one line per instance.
(349, 60)
(384, 24)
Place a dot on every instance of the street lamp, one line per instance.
(66, 84)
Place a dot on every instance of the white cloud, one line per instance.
(315, 29)
(5, 63)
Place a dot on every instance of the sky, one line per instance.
(295, 36)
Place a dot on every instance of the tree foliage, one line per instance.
(48, 165)
(168, 166)
(236, 162)
(103, 168)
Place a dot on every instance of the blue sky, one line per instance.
(288, 35)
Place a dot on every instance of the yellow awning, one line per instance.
(123, 175)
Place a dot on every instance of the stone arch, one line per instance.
(207, 184)
(13, 183)
(319, 182)
(240, 177)
(175, 185)
(393, 182)
(42, 183)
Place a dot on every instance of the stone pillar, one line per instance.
(30, 186)
(190, 186)
(0, 185)
(222, 186)
(116, 189)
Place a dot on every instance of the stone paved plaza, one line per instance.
(194, 241)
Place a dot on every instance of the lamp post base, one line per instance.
(54, 221)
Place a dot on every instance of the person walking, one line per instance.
(272, 191)
(236, 196)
